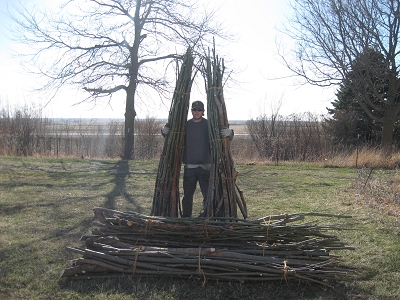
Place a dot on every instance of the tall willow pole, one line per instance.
(222, 199)
(166, 192)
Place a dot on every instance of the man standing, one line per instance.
(196, 157)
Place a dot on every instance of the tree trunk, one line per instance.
(387, 131)
(130, 115)
(130, 112)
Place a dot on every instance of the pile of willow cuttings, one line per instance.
(278, 247)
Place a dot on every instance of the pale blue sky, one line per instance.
(254, 53)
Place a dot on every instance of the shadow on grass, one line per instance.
(141, 287)
(122, 174)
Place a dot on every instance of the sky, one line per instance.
(253, 55)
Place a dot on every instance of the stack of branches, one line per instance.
(271, 248)
(166, 191)
(223, 196)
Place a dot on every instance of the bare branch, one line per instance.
(99, 91)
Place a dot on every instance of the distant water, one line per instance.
(85, 120)
(108, 120)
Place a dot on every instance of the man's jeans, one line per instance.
(190, 178)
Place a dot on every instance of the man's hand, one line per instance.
(226, 132)
(165, 131)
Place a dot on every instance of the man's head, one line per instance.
(198, 105)
(197, 110)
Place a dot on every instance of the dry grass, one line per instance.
(365, 158)
(362, 158)
(379, 191)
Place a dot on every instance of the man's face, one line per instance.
(197, 114)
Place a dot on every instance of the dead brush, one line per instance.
(378, 191)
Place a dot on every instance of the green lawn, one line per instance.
(46, 205)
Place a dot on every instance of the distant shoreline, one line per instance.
(102, 120)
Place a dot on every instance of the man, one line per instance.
(196, 157)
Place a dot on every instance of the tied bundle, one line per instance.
(223, 196)
(166, 191)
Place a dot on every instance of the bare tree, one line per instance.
(334, 37)
(107, 46)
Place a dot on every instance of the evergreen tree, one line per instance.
(350, 121)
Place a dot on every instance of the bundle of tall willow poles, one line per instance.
(223, 196)
(166, 192)
(279, 247)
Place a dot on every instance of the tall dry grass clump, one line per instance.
(365, 157)
(378, 190)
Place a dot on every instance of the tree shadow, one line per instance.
(122, 174)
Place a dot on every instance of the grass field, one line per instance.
(46, 205)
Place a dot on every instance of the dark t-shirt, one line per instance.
(197, 145)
